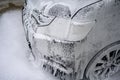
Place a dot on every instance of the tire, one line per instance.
(104, 64)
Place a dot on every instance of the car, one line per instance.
(74, 40)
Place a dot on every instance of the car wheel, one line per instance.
(105, 63)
